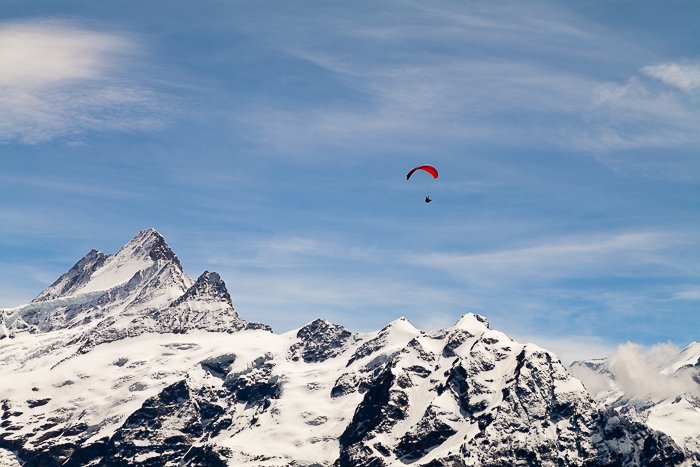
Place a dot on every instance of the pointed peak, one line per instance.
(148, 233)
(320, 325)
(472, 321)
(318, 322)
(149, 243)
(208, 286)
(74, 278)
(210, 278)
(146, 237)
(320, 340)
(401, 323)
(211, 283)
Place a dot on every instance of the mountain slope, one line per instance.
(664, 393)
(124, 360)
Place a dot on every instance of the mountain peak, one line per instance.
(401, 323)
(206, 305)
(74, 278)
(472, 321)
(97, 272)
(208, 286)
(149, 242)
(320, 340)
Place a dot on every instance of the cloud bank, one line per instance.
(637, 371)
(642, 373)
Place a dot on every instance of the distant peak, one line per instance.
(318, 322)
(320, 340)
(150, 232)
(208, 285)
(401, 323)
(319, 325)
(472, 321)
(75, 277)
(209, 277)
(149, 242)
(211, 284)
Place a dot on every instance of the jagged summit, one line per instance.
(75, 277)
(472, 322)
(320, 340)
(400, 321)
(149, 242)
(124, 360)
(400, 325)
(147, 251)
(208, 286)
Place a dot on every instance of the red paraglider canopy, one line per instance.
(428, 168)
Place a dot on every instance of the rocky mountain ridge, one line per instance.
(669, 399)
(124, 360)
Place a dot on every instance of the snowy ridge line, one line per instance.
(159, 370)
(664, 391)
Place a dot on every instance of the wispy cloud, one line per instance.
(491, 77)
(655, 108)
(60, 79)
(406, 98)
(685, 76)
(609, 254)
(405, 107)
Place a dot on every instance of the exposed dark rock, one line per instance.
(209, 286)
(258, 326)
(218, 366)
(428, 434)
(319, 341)
(457, 338)
(31, 403)
(255, 385)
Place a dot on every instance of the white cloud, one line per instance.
(640, 372)
(61, 79)
(684, 76)
(36, 55)
(637, 371)
(642, 113)
(594, 382)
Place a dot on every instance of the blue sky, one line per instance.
(269, 142)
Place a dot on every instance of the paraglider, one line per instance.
(427, 168)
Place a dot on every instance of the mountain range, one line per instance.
(125, 360)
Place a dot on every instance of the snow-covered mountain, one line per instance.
(663, 392)
(124, 360)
